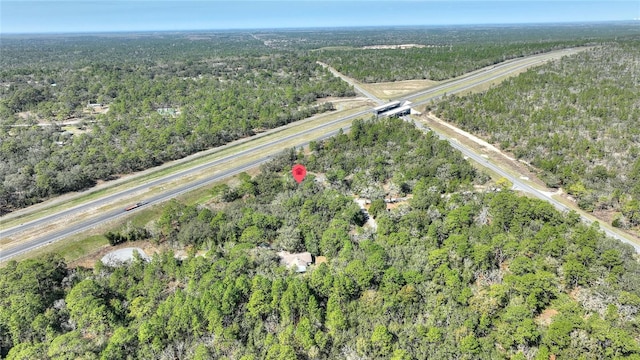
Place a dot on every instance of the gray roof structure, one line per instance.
(297, 261)
(385, 107)
(403, 110)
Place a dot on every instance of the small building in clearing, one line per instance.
(298, 261)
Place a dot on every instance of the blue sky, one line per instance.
(49, 16)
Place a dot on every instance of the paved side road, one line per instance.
(519, 184)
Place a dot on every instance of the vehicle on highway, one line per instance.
(134, 206)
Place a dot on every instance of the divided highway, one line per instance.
(260, 155)
(103, 217)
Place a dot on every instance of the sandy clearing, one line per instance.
(402, 46)
(89, 260)
(122, 256)
(395, 89)
(546, 317)
(470, 136)
(371, 222)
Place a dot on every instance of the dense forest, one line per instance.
(460, 270)
(445, 52)
(458, 35)
(437, 62)
(161, 96)
(576, 120)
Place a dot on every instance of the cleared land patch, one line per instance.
(402, 46)
(394, 89)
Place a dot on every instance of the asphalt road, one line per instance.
(353, 83)
(164, 180)
(488, 74)
(518, 184)
(477, 78)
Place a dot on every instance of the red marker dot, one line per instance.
(299, 172)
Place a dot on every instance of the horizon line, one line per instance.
(113, 32)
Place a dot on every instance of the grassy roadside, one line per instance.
(73, 248)
(88, 246)
(481, 87)
(88, 243)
